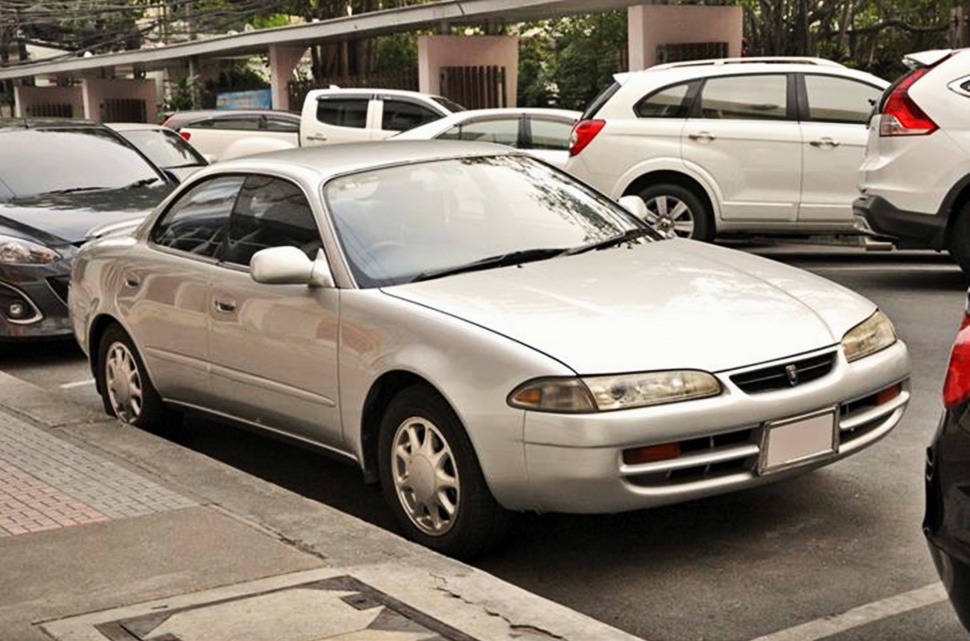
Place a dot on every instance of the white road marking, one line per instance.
(90, 381)
(862, 615)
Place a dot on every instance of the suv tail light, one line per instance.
(901, 116)
(956, 387)
(583, 133)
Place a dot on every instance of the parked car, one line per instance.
(222, 134)
(328, 116)
(482, 334)
(57, 180)
(915, 177)
(947, 520)
(735, 146)
(163, 146)
(543, 133)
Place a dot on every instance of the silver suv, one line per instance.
(746, 145)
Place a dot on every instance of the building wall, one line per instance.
(98, 90)
(30, 101)
(654, 25)
(435, 52)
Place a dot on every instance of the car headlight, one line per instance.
(868, 337)
(17, 251)
(605, 393)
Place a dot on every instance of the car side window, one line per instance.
(278, 124)
(839, 100)
(197, 221)
(752, 97)
(504, 131)
(550, 134)
(669, 102)
(270, 212)
(343, 112)
(234, 124)
(401, 115)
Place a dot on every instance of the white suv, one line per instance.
(745, 145)
(915, 178)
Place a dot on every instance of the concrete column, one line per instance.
(650, 26)
(283, 59)
(435, 52)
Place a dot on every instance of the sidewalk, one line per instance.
(107, 532)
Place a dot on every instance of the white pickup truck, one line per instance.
(328, 116)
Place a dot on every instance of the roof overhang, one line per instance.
(456, 12)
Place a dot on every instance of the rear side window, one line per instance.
(839, 100)
(278, 124)
(755, 97)
(503, 131)
(197, 221)
(400, 115)
(236, 124)
(550, 134)
(669, 102)
(343, 112)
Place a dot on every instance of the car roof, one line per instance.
(442, 124)
(327, 161)
(47, 123)
(682, 71)
(130, 126)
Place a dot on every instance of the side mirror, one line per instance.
(289, 266)
(636, 206)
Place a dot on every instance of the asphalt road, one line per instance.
(836, 554)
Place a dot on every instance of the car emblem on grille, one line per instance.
(791, 371)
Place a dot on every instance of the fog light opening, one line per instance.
(17, 310)
(888, 394)
(651, 454)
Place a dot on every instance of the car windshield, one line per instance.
(424, 220)
(164, 148)
(36, 161)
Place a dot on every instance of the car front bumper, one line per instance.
(33, 301)
(581, 463)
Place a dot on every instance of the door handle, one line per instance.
(319, 137)
(224, 305)
(706, 136)
(824, 142)
(132, 281)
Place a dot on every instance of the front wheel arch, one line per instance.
(685, 181)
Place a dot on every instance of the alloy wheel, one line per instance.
(666, 212)
(425, 476)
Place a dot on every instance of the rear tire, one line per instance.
(431, 478)
(673, 207)
(958, 239)
(126, 390)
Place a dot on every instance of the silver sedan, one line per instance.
(481, 333)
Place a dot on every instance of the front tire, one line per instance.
(431, 478)
(677, 208)
(126, 390)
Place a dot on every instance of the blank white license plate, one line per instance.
(794, 441)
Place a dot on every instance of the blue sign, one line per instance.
(255, 99)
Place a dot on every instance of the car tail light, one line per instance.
(185, 135)
(583, 133)
(901, 116)
(956, 387)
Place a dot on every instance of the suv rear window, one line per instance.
(669, 102)
(600, 100)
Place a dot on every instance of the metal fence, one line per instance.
(475, 87)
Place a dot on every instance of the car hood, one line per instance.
(661, 305)
(66, 218)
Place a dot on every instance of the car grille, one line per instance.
(59, 285)
(785, 375)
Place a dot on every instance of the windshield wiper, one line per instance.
(625, 237)
(141, 183)
(70, 190)
(490, 262)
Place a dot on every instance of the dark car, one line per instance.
(947, 521)
(58, 180)
(163, 146)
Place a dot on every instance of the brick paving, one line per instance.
(48, 483)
